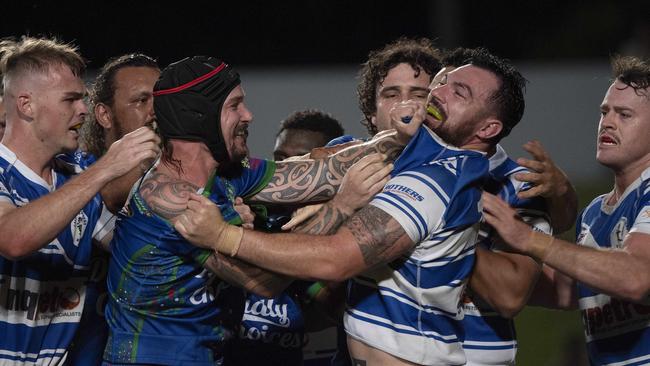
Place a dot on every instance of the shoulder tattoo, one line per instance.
(166, 196)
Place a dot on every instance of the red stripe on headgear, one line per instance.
(191, 83)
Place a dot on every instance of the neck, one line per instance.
(32, 152)
(480, 146)
(196, 161)
(624, 177)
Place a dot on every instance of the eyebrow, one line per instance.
(236, 100)
(622, 109)
(397, 88)
(76, 95)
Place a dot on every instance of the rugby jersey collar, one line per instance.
(645, 175)
(12, 159)
(447, 145)
(499, 157)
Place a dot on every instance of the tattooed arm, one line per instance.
(318, 180)
(364, 179)
(168, 198)
(369, 237)
(254, 279)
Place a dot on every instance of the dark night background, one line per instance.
(272, 33)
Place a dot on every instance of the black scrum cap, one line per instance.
(188, 99)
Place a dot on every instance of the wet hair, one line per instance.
(633, 72)
(313, 120)
(103, 91)
(508, 100)
(420, 54)
(36, 55)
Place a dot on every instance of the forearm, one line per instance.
(28, 228)
(507, 288)
(388, 144)
(115, 192)
(303, 181)
(254, 279)
(325, 221)
(614, 272)
(311, 257)
(563, 209)
(554, 290)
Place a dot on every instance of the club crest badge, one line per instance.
(78, 227)
(619, 233)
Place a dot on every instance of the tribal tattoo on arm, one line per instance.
(324, 222)
(242, 274)
(380, 238)
(166, 196)
(318, 180)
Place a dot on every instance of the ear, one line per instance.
(373, 120)
(25, 106)
(491, 128)
(103, 115)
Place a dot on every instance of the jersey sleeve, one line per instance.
(254, 178)
(414, 200)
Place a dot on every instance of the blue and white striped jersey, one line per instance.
(489, 338)
(617, 331)
(410, 308)
(43, 294)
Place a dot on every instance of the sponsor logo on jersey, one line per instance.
(78, 227)
(267, 311)
(613, 315)
(26, 301)
(261, 319)
(403, 191)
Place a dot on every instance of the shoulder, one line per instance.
(166, 196)
(503, 183)
(453, 172)
(593, 209)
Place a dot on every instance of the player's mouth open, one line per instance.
(607, 140)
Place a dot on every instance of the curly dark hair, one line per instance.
(103, 91)
(420, 54)
(508, 101)
(313, 120)
(633, 72)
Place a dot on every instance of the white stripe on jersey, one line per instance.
(55, 247)
(53, 357)
(405, 299)
(444, 261)
(105, 224)
(432, 184)
(490, 344)
(451, 337)
(630, 361)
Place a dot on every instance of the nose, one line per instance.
(607, 121)
(246, 114)
(437, 94)
(150, 110)
(82, 108)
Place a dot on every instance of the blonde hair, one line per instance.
(31, 54)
